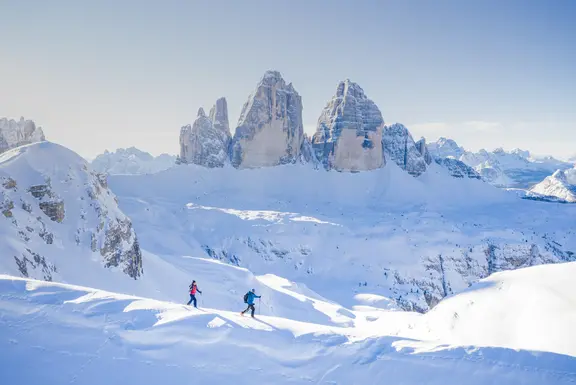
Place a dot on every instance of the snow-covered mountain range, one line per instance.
(376, 255)
(131, 161)
(516, 168)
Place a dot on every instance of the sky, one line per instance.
(107, 74)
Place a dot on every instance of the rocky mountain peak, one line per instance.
(399, 147)
(349, 131)
(270, 130)
(206, 141)
(219, 116)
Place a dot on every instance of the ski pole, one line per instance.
(259, 305)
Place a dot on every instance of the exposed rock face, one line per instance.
(54, 207)
(399, 147)
(270, 130)
(556, 186)
(18, 133)
(423, 150)
(307, 153)
(458, 169)
(206, 142)
(349, 132)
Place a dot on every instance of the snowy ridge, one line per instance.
(131, 161)
(18, 133)
(54, 326)
(59, 218)
(556, 186)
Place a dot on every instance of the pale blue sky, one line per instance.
(105, 74)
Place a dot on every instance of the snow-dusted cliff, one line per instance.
(57, 214)
(206, 142)
(399, 147)
(17, 133)
(270, 130)
(349, 132)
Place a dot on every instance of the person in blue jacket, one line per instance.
(249, 299)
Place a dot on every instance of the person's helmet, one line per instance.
(253, 290)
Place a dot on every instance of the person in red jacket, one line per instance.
(193, 290)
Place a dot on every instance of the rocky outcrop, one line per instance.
(307, 154)
(18, 133)
(349, 132)
(457, 168)
(270, 130)
(399, 147)
(71, 213)
(556, 186)
(423, 150)
(206, 142)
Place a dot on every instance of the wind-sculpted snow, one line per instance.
(206, 142)
(270, 130)
(413, 240)
(57, 214)
(131, 161)
(349, 132)
(513, 328)
(18, 133)
(399, 147)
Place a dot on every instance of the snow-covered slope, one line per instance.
(415, 240)
(17, 133)
(556, 186)
(349, 132)
(513, 328)
(131, 161)
(60, 221)
(206, 142)
(270, 130)
(532, 309)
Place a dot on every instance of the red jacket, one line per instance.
(193, 289)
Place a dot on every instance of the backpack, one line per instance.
(246, 297)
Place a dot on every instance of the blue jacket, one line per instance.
(251, 297)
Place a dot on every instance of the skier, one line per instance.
(249, 299)
(193, 290)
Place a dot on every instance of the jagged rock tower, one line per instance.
(206, 142)
(270, 130)
(349, 131)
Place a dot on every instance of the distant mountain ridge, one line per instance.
(131, 161)
(516, 168)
